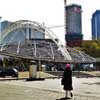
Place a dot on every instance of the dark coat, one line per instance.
(67, 80)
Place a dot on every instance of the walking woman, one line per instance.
(67, 80)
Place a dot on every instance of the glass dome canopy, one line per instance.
(36, 46)
(21, 30)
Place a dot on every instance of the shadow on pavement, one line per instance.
(97, 83)
(64, 98)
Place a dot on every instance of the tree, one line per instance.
(91, 47)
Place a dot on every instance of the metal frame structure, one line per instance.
(36, 26)
(69, 55)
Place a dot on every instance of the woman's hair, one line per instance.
(67, 66)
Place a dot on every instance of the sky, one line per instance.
(49, 12)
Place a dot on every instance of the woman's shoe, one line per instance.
(67, 98)
(71, 94)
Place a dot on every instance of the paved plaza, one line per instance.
(49, 89)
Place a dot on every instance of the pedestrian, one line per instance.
(67, 80)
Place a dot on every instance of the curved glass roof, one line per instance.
(27, 39)
(21, 30)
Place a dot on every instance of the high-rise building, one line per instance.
(73, 34)
(96, 25)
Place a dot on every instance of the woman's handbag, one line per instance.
(62, 81)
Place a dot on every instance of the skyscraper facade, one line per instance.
(73, 35)
(96, 25)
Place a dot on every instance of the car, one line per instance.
(9, 72)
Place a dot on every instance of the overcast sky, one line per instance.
(50, 12)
